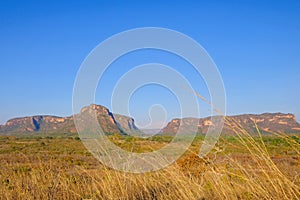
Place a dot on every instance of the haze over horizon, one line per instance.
(255, 45)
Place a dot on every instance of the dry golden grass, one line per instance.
(239, 167)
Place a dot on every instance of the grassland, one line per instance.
(239, 167)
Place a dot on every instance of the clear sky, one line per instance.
(255, 44)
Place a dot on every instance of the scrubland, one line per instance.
(240, 166)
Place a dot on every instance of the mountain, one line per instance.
(110, 123)
(41, 123)
(267, 123)
(115, 123)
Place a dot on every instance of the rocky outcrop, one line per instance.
(267, 123)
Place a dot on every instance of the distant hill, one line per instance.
(120, 124)
(110, 123)
(267, 123)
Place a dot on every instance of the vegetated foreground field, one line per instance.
(240, 167)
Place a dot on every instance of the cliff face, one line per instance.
(109, 122)
(267, 123)
(126, 124)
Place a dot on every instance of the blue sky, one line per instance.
(255, 45)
